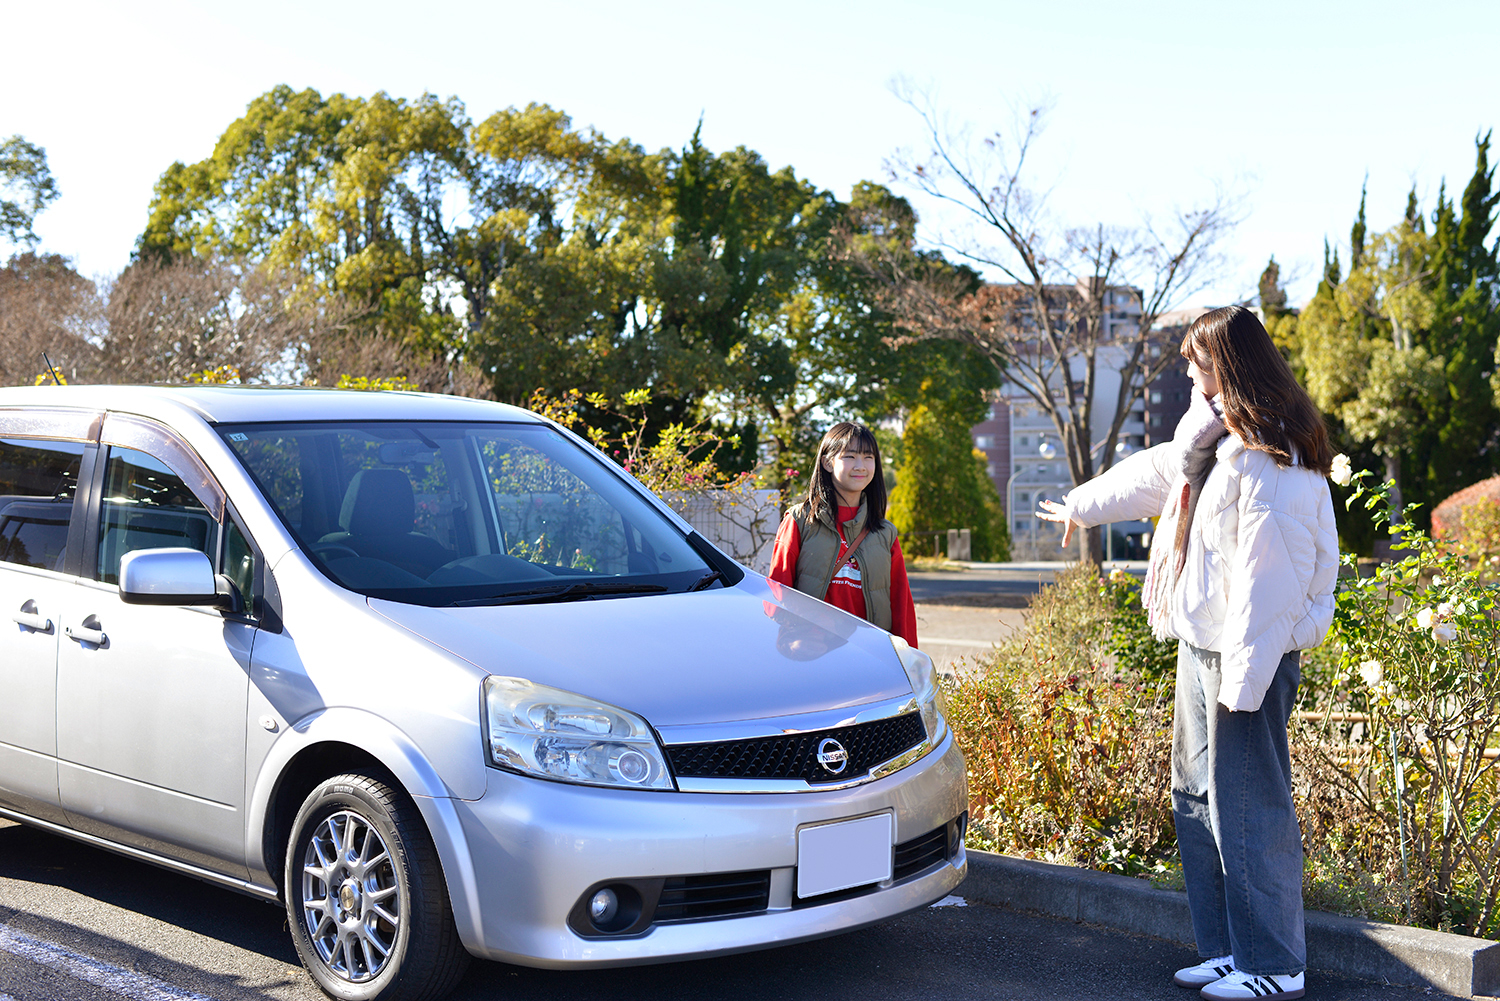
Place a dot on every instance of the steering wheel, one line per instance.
(324, 549)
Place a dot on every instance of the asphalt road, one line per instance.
(993, 585)
(79, 924)
(1007, 587)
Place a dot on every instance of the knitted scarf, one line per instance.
(1197, 437)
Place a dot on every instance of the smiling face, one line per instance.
(853, 467)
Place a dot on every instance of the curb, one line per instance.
(1396, 954)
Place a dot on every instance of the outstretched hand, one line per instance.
(1053, 511)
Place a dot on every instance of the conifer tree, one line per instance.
(1272, 295)
(1357, 233)
(1331, 270)
(942, 484)
(1402, 352)
(1463, 443)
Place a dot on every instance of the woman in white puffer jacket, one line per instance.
(1242, 571)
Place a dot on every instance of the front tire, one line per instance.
(365, 898)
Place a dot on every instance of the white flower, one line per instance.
(1424, 618)
(1372, 672)
(1437, 581)
(1342, 471)
(1445, 632)
(1445, 610)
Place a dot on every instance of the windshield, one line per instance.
(439, 514)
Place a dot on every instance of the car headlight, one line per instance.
(925, 685)
(537, 730)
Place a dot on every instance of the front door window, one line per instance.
(147, 506)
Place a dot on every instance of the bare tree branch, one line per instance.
(1059, 315)
(46, 306)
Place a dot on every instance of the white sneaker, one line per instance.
(1206, 972)
(1241, 985)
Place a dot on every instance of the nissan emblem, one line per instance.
(832, 756)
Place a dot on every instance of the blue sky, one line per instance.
(1153, 103)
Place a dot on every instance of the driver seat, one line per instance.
(377, 516)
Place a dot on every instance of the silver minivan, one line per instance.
(443, 681)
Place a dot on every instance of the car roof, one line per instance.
(248, 404)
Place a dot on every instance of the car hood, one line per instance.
(751, 651)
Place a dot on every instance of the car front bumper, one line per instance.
(530, 848)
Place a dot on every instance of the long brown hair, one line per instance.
(822, 495)
(1262, 401)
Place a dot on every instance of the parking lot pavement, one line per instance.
(993, 585)
(80, 924)
(956, 637)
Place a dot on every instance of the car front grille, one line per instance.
(795, 755)
(716, 895)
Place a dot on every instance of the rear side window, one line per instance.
(147, 506)
(38, 480)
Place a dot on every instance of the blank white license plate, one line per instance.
(849, 853)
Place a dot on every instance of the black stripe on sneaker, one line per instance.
(1223, 971)
(1271, 986)
(1255, 985)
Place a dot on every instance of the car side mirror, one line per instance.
(174, 577)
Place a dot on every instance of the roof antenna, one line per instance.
(56, 380)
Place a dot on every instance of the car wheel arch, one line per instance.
(340, 740)
(322, 745)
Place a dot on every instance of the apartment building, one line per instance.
(1024, 454)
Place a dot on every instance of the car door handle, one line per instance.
(29, 617)
(87, 631)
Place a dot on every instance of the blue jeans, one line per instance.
(1236, 826)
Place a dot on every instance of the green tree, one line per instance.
(941, 482)
(1280, 319)
(1462, 446)
(1272, 295)
(716, 282)
(557, 259)
(26, 181)
(1362, 351)
(406, 209)
(1401, 352)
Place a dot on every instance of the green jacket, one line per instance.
(818, 558)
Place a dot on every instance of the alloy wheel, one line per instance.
(351, 902)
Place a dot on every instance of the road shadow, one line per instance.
(35, 856)
(977, 952)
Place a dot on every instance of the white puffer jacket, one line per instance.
(1262, 555)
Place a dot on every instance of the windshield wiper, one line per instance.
(559, 592)
(706, 580)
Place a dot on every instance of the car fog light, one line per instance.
(603, 906)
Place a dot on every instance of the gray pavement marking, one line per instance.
(130, 984)
(986, 644)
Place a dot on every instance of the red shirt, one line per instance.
(844, 591)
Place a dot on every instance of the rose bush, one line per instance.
(1408, 728)
(1067, 731)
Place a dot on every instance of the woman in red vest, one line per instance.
(837, 545)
